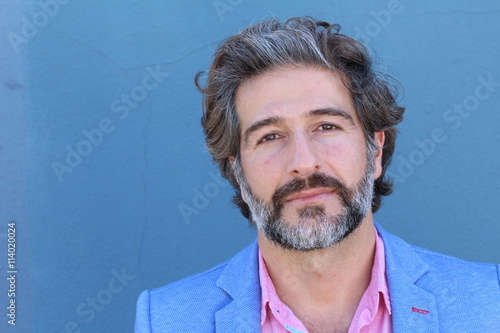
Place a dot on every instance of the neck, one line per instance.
(326, 283)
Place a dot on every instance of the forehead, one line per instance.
(291, 91)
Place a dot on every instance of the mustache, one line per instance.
(317, 179)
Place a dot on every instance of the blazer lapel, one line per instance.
(413, 308)
(240, 280)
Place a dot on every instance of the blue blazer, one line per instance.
(429, 292)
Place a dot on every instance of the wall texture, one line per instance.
(102, 159)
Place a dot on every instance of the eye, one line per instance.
(327, 127)
(269, 137)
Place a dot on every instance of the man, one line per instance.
(303, 128)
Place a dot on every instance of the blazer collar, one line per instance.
(240, 280)
(414, 309)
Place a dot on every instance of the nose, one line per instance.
(304, 159)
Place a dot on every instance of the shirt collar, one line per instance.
(378, 288)
(268, 292)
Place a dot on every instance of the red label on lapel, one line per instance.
(419, 311)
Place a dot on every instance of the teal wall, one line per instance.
(101, 149)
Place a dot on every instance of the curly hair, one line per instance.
(297, 41)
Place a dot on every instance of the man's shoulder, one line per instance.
(190, 304)
(185, 304)
(424, 283)
(451, 264)
(480, 281)
(402, 254)
(209, 286)
(189, 286)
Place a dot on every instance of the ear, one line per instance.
(232, 161)
(379, 141)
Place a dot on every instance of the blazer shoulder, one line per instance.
(475, 284)
(416, 261)
(191, 304)
(205, 279)
(208, 280)
(455, 266)
(459, 295)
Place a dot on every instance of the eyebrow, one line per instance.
(336, 112)
(261, 123)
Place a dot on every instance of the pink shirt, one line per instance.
(372, 315)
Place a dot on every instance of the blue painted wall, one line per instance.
(101, 148)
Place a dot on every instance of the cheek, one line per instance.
(346, 159)
(266, 162)
(262, 174)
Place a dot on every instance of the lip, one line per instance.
(310, 194)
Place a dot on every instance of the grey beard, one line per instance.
(314, 229)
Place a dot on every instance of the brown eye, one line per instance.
(269, 137)
(326, 127)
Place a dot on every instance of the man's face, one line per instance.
(306, 172)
